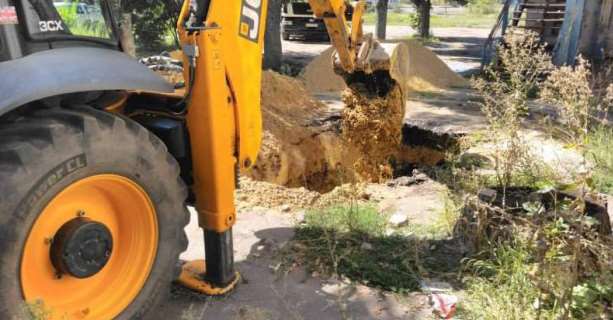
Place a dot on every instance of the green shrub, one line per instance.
(501, 287)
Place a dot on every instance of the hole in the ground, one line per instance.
(308, 144)
(420, 148)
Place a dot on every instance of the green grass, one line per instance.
(599, 149)
(350, 242)
(468, 20)
(357, 242)
(464, 20)
(500, 287)
(392, 18)
(364, 220)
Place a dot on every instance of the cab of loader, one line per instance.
(29, 26)
(51, 48)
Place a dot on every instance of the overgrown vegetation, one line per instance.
(506, 88)
(500, 287)
(546, 259)
(531, 253)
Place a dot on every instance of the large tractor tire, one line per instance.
(92, 212)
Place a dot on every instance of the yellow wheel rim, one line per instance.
(128, 213)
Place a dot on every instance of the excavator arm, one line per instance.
(357, 52)
(346, 40)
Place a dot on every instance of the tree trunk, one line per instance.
(424, 18)
(273, 48)
(381, 27)
(126, 34)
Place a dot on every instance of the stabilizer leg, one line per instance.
(215, 276)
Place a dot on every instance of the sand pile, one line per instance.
(425, 72)
(299, 147)
(319, 75)
(372, 124)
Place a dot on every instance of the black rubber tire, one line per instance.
(31, 147)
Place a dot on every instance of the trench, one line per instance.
(308, 145)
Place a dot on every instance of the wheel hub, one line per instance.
(81, 248)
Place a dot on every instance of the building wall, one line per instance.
(587, 30)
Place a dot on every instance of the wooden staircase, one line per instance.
(545, 17)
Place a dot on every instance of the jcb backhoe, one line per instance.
(99, 156)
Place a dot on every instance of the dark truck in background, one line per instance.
(298, 22)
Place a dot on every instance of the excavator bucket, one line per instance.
(377, 63)
(377, 67)
(362, 61)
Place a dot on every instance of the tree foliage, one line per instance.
(152, 20)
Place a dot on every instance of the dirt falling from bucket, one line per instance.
(372, 124)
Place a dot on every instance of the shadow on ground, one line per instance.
(267, 293)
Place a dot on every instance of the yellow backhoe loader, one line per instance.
(99, 156)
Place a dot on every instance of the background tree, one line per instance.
(381, 27)
(273, 47)
(126, 32)
(423, 14)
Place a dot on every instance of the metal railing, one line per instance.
(498, 31)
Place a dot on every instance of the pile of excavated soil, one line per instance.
(319, 75)
(299, 147)
(302, 147)
(268, 195)
(265, 194)
(372, 124)
(425, 72)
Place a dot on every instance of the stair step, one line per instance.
(544, 5)
(549, 12)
